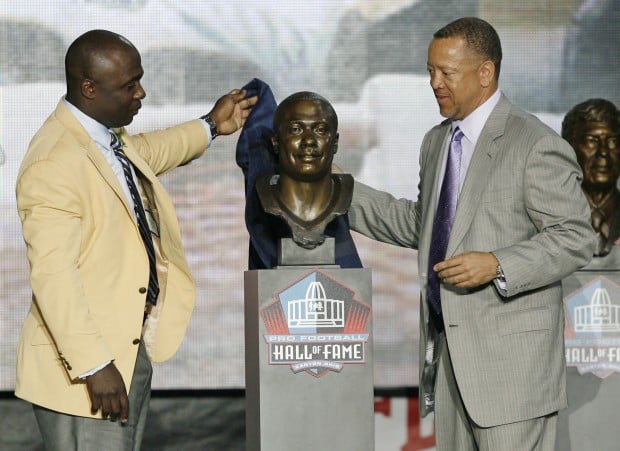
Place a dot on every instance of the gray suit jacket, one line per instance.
(522, 200)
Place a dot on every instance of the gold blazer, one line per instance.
(88, 265)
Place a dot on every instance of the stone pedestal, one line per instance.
(592, 335)
(308, 348)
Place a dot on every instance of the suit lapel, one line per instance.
(139, 164)
(98, 160)
(93, 152)
(476, 181)
(148, 180)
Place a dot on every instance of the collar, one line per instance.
(96, 130)
(473, 124)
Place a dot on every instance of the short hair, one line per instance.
(480, 36)
(304, 95)
(86, 50)
(592, 110)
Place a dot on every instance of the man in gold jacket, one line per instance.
(86, 345)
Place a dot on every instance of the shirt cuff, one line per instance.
(94, 370)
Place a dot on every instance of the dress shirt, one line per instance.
(471, 127)
(101, 135)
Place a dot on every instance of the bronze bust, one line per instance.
(592, 128)
(305, 193)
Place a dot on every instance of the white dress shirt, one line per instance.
(471, 127)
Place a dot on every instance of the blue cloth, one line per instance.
(255, 158)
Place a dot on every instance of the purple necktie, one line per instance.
(444, 217)
(143, 227)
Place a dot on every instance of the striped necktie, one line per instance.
(145, 233)
(444, 217)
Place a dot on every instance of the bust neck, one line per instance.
(305, 200)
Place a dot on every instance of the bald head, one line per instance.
(103, 71)
(88, 54)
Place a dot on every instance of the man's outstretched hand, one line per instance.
(231, 110)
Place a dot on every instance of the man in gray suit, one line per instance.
(493, 245)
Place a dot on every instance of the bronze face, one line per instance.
(598, 153)
(306, 140)
(592, 129)
(305, 194)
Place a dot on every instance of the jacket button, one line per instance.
(69, 367)
(136, 341)
(142, 290)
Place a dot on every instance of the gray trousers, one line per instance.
(62, 432)
(455, 430)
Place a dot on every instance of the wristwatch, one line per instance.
(499, 274)
(212, 126)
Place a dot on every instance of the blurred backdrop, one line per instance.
(368, 57)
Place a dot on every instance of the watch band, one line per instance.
(499, 273)
(212, 125)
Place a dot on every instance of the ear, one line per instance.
(88, 88)
(335, 144)
(486, 73)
